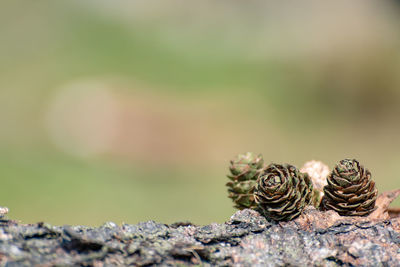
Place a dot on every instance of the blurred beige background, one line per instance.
(130, 111)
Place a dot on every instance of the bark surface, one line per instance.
(247, 239)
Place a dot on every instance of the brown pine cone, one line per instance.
(282, 192)
(350, 190)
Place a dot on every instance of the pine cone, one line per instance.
(3, 211)
(350, 190)
(282, 192)
(318, 172)
(244, 172)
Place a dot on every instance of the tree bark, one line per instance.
(248, 239)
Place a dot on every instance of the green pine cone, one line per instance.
(350, 190)
(244, 170)
(282, 192)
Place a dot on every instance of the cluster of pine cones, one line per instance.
(281, 192)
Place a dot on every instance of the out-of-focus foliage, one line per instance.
(129, 111)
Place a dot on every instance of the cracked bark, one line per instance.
(247, 239)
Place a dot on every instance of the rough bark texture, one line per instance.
(247, 239)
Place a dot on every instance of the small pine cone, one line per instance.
(244, 172)
(3, 211)
(350, 190)
(282, 192)
(318, 171)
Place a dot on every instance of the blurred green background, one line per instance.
(129, 111)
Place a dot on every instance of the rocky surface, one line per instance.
(247, 239)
